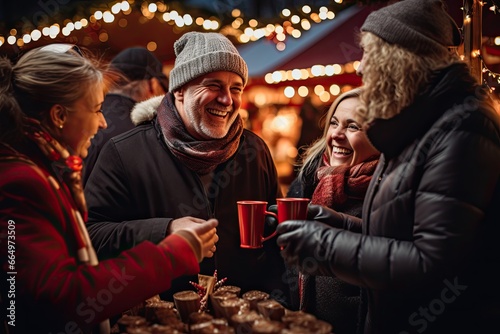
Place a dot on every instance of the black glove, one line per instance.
(333, 218)
(270, 221)
(307, 245)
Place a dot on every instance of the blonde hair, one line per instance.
(394, 76)
(40, 79)
(309, 160)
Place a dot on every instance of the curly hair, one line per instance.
(394, 76)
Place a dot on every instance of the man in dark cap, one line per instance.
(426, 251)
(140, 78)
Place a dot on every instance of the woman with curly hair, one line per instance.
(425, 251)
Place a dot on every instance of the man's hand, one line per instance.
(201, 234)
(208, 239)
(183, 223)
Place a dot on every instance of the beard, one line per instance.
(206, 125)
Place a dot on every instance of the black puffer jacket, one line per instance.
(429, 255)
(138, 186)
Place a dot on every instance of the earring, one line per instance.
(60, 126)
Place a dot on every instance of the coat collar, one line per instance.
(448, 87)
(145, 111)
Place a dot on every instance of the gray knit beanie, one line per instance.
(200, 53)
(420, 26)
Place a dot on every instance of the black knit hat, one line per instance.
(420, 26)
(137, 63)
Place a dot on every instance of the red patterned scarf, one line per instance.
(68, 166)
(201, 156)
(339, 184)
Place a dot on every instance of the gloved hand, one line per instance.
(333, 218)
(273, 208)
(271, 222)
(307, 245)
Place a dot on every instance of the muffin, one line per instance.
(202, 327)
(267, 327)
(217, 297)
(199, 317)
(231, 288)
(271, 309)
(210, 327)
(131, 321)
(311, 326)
(296, 316)
(154, 309)
(242, 322)
(138, 330)
(163, 329)
(186, 302)
(230, 307)
(255, 296)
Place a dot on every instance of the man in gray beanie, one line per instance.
(190, 159)
(426, 251)
(198, 54)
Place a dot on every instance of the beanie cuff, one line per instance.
(207, 63)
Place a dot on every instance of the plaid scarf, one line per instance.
(69, 167)
(339, 184)
(201, 156)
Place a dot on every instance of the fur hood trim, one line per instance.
(146, 110)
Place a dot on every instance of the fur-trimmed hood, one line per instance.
(146, 110)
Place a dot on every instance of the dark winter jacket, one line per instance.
(138, 186)
(429, 254)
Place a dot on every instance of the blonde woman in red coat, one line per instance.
(50, 104)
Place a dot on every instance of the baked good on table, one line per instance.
(253, 313)
(264, 326)
(129, 321)
(271, 309)
(255, 296)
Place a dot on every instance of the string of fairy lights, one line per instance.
(468, 15)
(244, 30)
(291, 24)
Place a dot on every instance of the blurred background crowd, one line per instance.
(301, 54)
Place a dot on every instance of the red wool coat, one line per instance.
(44, 288)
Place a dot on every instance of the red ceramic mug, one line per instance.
(292, 208)
(251, 217)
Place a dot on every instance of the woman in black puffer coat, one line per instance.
(426, 250)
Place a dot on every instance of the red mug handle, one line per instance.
(274, 233)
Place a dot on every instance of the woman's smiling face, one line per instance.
(347, 143)
(83, 120)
